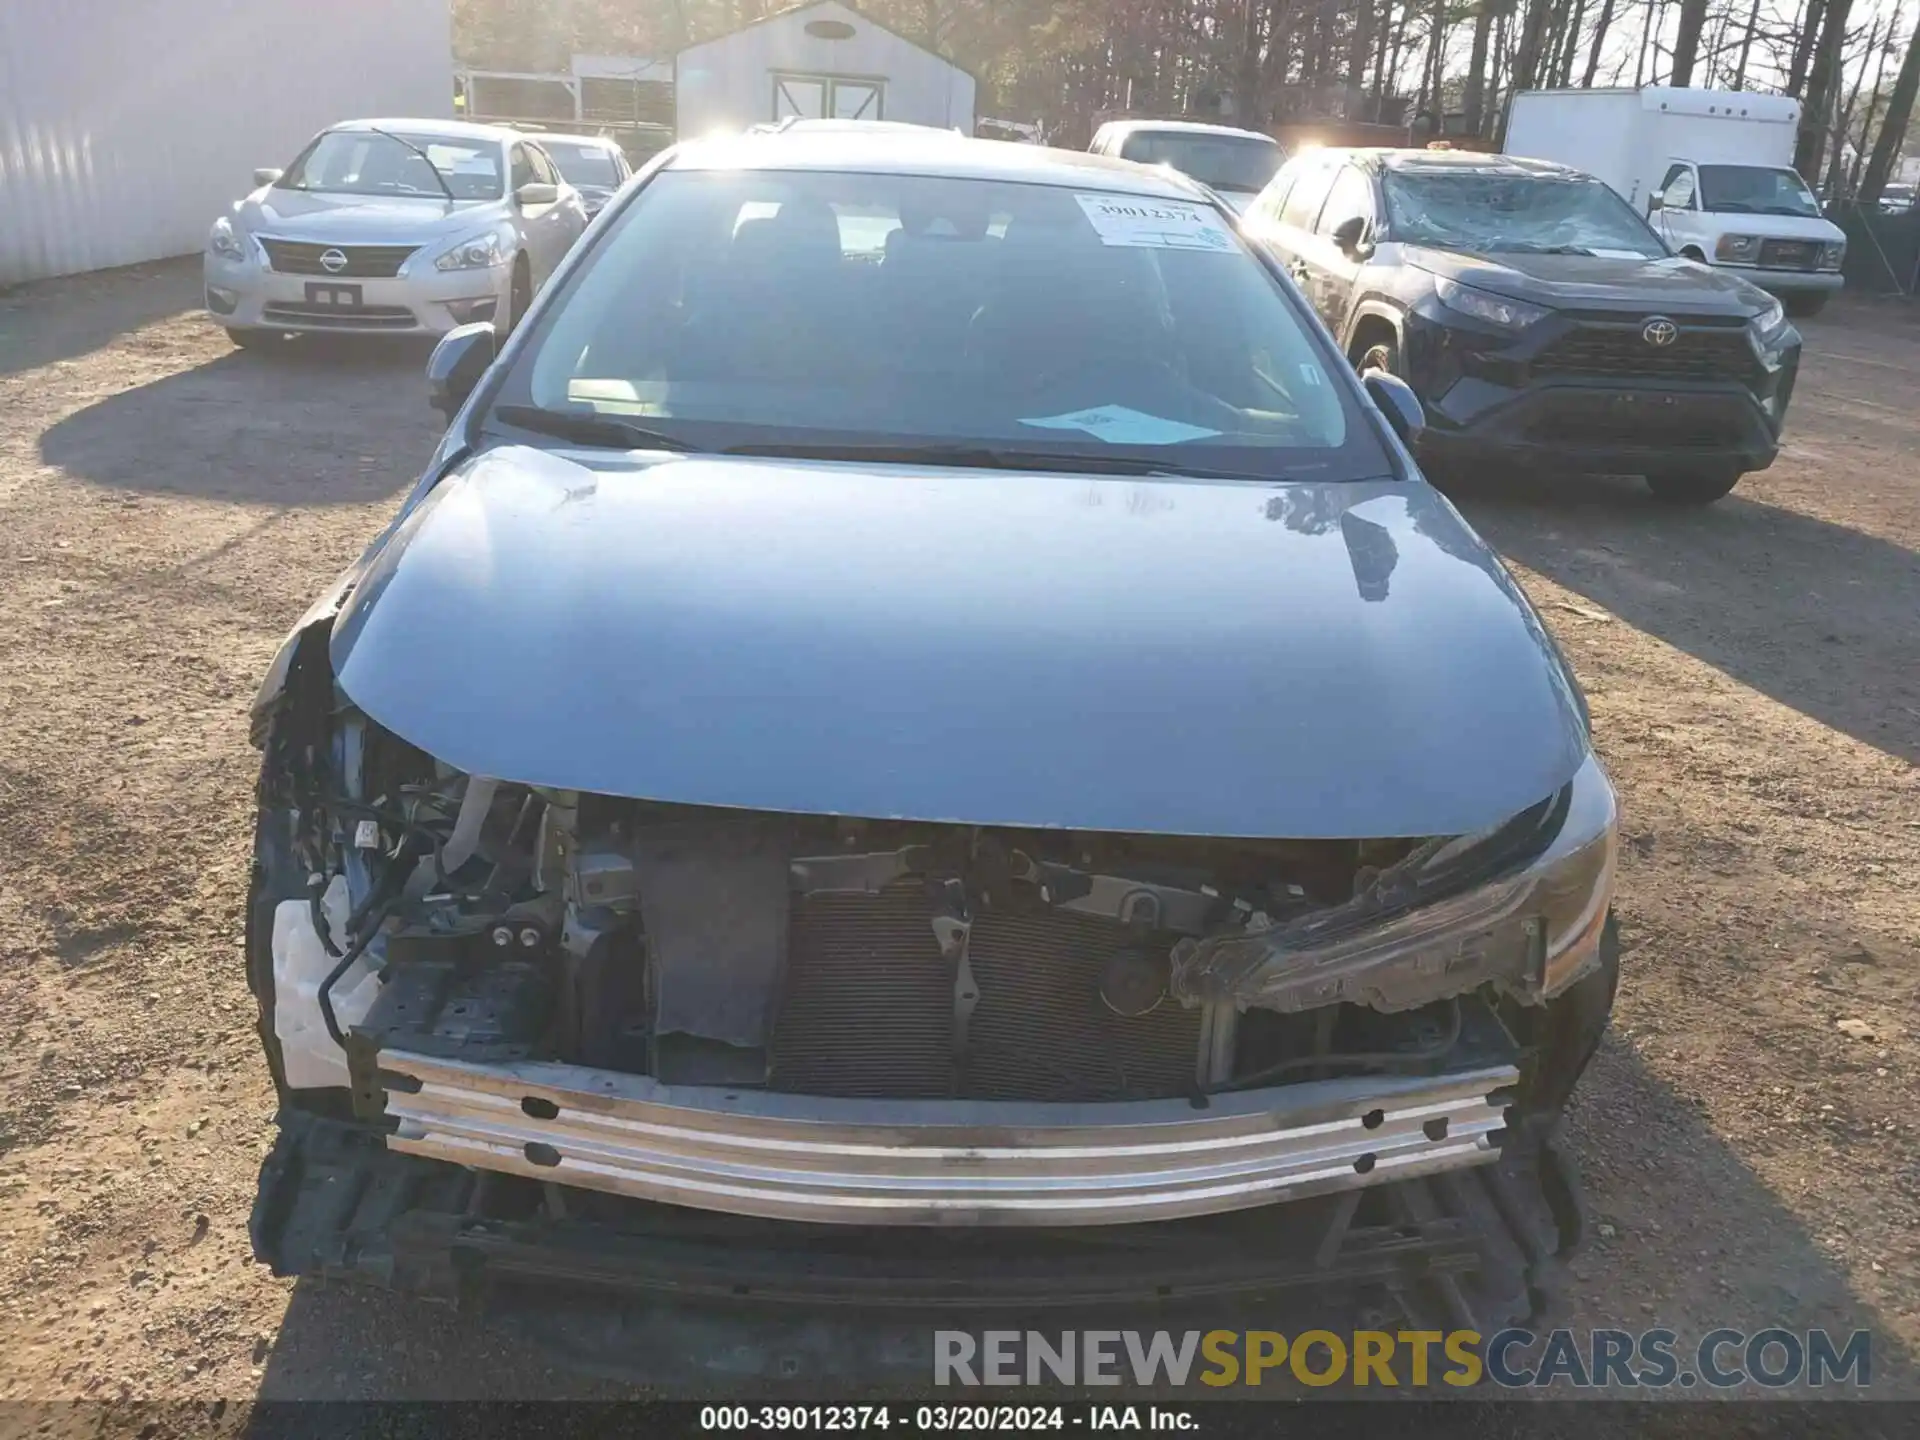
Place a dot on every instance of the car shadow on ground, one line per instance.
(55, 320)
(1693, 1240)
(1836, 640)
(318, 421)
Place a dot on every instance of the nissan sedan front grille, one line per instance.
(349, 262)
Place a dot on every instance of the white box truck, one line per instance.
(1712, 170)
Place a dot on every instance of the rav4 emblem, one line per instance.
(1660, 332)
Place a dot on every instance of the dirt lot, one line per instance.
(169, 506)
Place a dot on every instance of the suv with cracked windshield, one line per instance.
(922, 754)
(1540, 321)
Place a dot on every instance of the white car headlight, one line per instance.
(225, 241)
(1832, 254)
(1769, 319)
(480, 252)
(1531, 932)
(1742, 249)
(1494, 309)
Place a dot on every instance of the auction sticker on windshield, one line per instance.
(1155, 224)
(1117, 425)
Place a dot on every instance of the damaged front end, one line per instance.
(861, 1021)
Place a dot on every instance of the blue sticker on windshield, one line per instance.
(1117, 425)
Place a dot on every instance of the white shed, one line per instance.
(818, 61)
(126, 126)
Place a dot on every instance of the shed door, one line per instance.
(827, 97)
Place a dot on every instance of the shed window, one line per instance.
(827, 97)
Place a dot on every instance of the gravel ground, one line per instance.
(169, 506)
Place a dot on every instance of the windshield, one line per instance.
(1222, 161)
(584, 164)
(1486, 213)
(797, 311)
(363, 162)
(1755, 190)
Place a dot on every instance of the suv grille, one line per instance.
(364, 262)
(1622, 351)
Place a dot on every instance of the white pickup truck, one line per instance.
(1712, 171)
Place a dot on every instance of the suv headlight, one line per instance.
(1740, 249)
(1532, 931)
(1832, 253)
(1494, 309)
(1769, 319)
(225, 241)
(481, 252)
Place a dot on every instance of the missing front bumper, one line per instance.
(684, 1299)
(939, 1163)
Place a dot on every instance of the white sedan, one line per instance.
(393, 227)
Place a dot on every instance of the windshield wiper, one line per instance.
(445, 188)
(985, 457)
(600, 431)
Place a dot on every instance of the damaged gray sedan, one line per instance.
(922, 754)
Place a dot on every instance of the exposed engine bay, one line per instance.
(465, 944)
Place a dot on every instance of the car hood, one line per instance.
(1784, 227)
(984, 647)
(362, 219)
(1597, 282)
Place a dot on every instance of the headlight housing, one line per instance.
(1770, 319)
(1832, 254)
(1532, 931)
(1737, 249)
(1494, 309)
(478, 252)
(226, 241)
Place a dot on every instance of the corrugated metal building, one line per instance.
(817, 61)
(126, 126)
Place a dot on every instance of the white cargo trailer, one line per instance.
(1711, 169)
(126, 126)
(817, 62)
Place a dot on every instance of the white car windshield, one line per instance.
(583, 164)
(368, 162)
(1226, 162)
(1755, 190)
(1485, 213)
(775, 309)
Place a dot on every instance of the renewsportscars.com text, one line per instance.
(1514, 1358)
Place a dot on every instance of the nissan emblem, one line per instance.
(334, 261)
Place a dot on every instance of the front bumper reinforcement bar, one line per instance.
(939, 1163)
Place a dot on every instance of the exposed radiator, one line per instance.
(868, 1009)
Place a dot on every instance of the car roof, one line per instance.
(932, 152)
(1451, 162)
(1181, 127)
(440, 129)
(567, 138)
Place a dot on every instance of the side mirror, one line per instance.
(458, 362)
(537, 192)
(267, 175)
(1398, 403)
(1656, 201)
(1351, 236)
